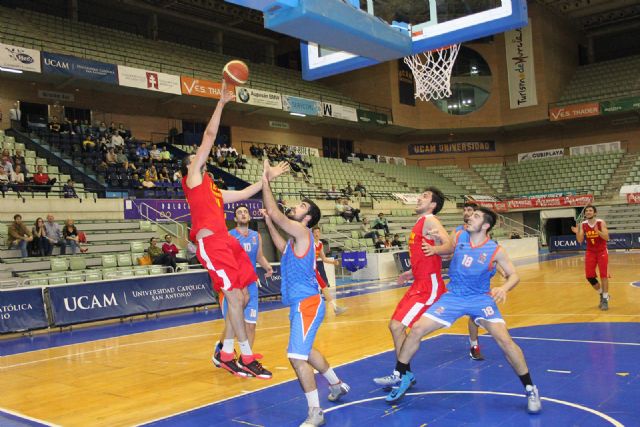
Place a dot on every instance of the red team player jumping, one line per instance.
(426, 267)
(228, 264)
(595, 231)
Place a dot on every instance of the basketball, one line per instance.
(235, 72)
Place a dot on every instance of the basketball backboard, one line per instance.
(433, 24)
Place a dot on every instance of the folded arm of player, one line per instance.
(262, 260)
(434, 229)
(502, 260)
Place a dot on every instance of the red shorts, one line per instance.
(228, 264)
(320, 280)
(420, 296)
(593, 259)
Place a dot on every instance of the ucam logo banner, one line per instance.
(537, 155)
(293, 104)
(149, 80)
(22, 310)
(260, 98)
(55, 63)
(520, 68)
(341, 112)
(202, 88)
(19, 58)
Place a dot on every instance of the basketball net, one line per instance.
(432, 72)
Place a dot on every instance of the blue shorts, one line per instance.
(305, 318)
(251, 310)
(450, 308)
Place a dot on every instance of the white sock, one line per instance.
(473, 342)
(245, 348)
(333, 303)
(605, 295)
(227, 346)
(312, 399)
(331, 376)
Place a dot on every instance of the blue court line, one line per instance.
(582, 383)
(81, 334)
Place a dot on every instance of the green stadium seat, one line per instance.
(93, 275)
(145, 225)
(59, 264)
(77, 263)
(137, 246)
(75, 277)
(156, 269)
(124, 260)
(109, 260)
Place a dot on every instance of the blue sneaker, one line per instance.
(407, 380)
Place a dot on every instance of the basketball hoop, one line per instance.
(432, 72)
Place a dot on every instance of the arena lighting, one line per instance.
(298, 114)
(10, 70)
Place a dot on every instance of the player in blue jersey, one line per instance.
(300, 292)
(469, 293)
(251, 242)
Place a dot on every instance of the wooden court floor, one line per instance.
(137, 378)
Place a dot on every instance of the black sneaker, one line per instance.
(604, 303)
(254, 368)
(232, 366)
(474, 353)
(216, 354)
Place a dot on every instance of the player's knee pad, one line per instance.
(593, 281)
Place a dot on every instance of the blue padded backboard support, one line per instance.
(265, 5)
(517, 19)
(340, 25)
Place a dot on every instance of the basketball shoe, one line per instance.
(251, 366)
(534, 405)
(474, 353)
(315, 418)
(604, 303)
(231, 365)
(336, 391)
(406, 382)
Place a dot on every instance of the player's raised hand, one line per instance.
(574, 228)
(277, 170)
(265, 214)
(499, 294)
(225, 94)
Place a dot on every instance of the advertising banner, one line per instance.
(19, 58)
(22, 310)
(372, 117)
(633, 198)
(575, 111)
(297, 105)
(270, 287)
(452, 147)
(403, 261)
(56, 96)
(616, 241)
(520, 67)
(354, 261)
(538, 202)
(178, 209)
(620, 105)
(120, 298)
(149, 80)
(537, 155)
(406, 84)
(72, 66)
(260, 98)
(605, 147)
(338, 111)
(202, 88)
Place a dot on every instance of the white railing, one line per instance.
(182, 230)
(513, 225)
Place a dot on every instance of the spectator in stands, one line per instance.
(19, 164)
(220, 183)
(121, 156)
(4, 181)
(366, 230)
(348, 190)
(142, 153)
(255, 151)
(146, 183)
(151, 174)
(380, 223)
(19, 236)
(396, 241)
(387, 241)
(165, 155)
(359, 188)
(69, 191)
(54, 235)
(42, 181)
(77, 129)
(89, 142)
(85, 129)
(158, 257)
(379, 245)
(155, 154)
(177, 176)
(7, 162)
(102, 129)
(18, 158)
(117, 140)
(112, 128)
(170, 248)
(40, 245)
(67, 126)
(54, 126)
(192, 259)
(333, 194)
(111, 157)
(122, 131)
(347, 212)
(135, 182)
(72, 237)
(163, 176)
(16, 179)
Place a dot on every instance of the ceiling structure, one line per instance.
(596, 16)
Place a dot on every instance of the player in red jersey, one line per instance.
(595, 231)
(228, 264)
(321, 258)
(426, 267)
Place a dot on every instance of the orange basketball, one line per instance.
(235, 72)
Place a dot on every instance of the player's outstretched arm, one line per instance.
(278, 241)
(253, 189)
(194, 178)
(324, 258)
(502, 260)
(295, 229)
(262, 260)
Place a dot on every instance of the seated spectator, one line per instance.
(69, 191)
(158, 257)
(135, 182)
(151, 174)
(387, 241)
(112, 127)
(67, 126)
(379, 245)
(146, 183)
(16, 179)
(19, 236)
(192, 259)
(170, 248)
(348, 190)
(71, 236)
(359, 188)
(121, 157)
(40, 245)
(7, 162)
(347, 212)
(333, 194)
(54, 126)
(18, 164)
(155, 154)
(42, 181)
(19, 158)
(54, 235)
(380, 223)
(111, 157)
(76, 127)
(396, 241)
(177, 176)
(220, 183)
(89, 142)
(102, 129)
(102, 167)
(366, 230)
(142, 153)
(4, 181)
(117, 140)
(165, 155)
(163, 176)
(85, 129)
(122, 131)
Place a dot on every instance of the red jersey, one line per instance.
(422, 265)
(595, 243)
(207, 207)
(319, 248)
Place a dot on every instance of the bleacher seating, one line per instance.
(494, 175)
(634, 173)
(621, 218)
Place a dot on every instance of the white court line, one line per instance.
(548, 399)
(273, 385)
(26, 417)
(578, 341)
(558, 371)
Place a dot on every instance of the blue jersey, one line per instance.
(298, 274)
(250, 243)
(460, 228)
(472, 268)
